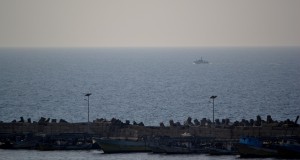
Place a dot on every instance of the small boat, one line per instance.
(173, 149)
(223, 148)
(27, 141)
(289, 148)
(201, 61)
(65, 142)
(185, 144)
(255, 147)
(122, 144)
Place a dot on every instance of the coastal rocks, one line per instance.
(45, 121)
(138, 124)
(269, 119)
(245, 122)
(178, 124)
(252, 122)
(205, 122)
(101, 120)
(116, 122)
(21, 120)
(258, 121)
(42, 119)
(161, 124)
(172, 124)
(62, 121)
(217, 122)
(141, 124)
(188, 122)
(196, 122)
(225, 121)
(221, 123)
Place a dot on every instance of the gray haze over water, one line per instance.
(151, 85)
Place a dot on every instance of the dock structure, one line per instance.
(116, 128)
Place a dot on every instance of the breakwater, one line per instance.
(221, 129)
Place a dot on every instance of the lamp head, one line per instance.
(88, 94)
(213, 97)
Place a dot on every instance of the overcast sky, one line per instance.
(139, 23)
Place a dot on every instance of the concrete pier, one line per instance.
(116, 128)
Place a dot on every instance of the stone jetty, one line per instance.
(221, 129)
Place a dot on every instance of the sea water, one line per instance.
(98, 155)
(149, 85)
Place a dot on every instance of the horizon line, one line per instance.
(107, 47)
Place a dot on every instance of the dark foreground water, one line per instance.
(98, 155)
(149, 85)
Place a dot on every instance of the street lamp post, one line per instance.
(213, 98)
(88, 95)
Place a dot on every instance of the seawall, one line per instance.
(109, 129)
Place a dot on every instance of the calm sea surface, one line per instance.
(98, 155)
(146, 85)
(149, 85)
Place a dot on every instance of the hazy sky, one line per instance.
(109, 23)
